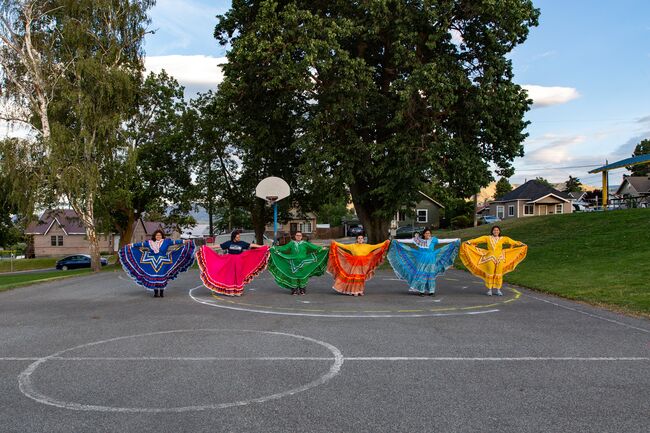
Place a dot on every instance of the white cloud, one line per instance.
(197, 73)
(557, 151)
(545, 96)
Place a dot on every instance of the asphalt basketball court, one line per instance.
(97, 353)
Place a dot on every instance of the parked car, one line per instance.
(405, 232)
(488, 219)
(355, 231)
(76, 262)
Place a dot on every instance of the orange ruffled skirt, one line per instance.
(352, 265)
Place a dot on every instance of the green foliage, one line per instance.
(379, 95)
(643, 148)
(333, 213)
(544, 182)
(573, 184)
(152, 168)
(461, 222)
(503, 187)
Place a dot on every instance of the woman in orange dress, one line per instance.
(491, 264)
(352, 265)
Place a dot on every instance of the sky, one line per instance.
(586, 67)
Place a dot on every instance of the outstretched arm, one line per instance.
(476, 241)
(448, 240)
(405, 241)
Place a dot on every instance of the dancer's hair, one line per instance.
(234, 234)
(153, 235)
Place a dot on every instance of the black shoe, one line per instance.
(303, 291)
(162, 293)
(294, 292)
(155, 294)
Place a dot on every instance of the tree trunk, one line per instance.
(126, 233)
(376, 229)
(259, 221)
(86, 215)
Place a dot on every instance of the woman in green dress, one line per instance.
(294, 263)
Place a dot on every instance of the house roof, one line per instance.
(579, 195)
(639, 183)
(432, 200)
(67, 219)
(531, 191)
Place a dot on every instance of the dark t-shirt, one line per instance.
(231, 247)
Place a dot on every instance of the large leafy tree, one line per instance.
(396, 94)
(89, 61)
(151, 168)
(643, 148)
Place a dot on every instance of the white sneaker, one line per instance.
(489, 293)
(499, 293)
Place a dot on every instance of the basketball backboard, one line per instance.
(272, 189)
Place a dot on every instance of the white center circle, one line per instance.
(27, 387)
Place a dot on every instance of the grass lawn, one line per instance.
(28, 264)
(17, 280)
(601, 258)
(40, 263)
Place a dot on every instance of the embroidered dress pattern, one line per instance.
(152, 264)
(352, 265)
(294, 263)
(421, 264)
(493, 263)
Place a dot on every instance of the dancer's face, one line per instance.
(360, 239)
(427, 234)
(237, 237)
(496, 231)
(298, 236)
(158, 236)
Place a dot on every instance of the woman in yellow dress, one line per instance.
(491, 264)
(354, 264)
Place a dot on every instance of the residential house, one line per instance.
(530, 199)
(426, 213)
(304, 222)
(60, 232)
(579, 200)
(143, 230)
(634, 191)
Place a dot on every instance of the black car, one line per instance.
(76, 262)
(355, 231)
(405, 232)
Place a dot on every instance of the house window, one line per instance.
(423, 215)
(53, 240)
(511, 210)
(305, 227)
(401, 216)
(529, 209)
(500, 212)
(558, 208)
(56, 241)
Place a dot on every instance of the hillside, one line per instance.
(596, 257)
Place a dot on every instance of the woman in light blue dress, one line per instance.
(418, 262)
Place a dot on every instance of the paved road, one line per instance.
(97, 353)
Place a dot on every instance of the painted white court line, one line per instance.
(595, 316)
(27, 387)
(353, 358)
(336, 315)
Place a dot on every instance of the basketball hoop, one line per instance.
(272, 189)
